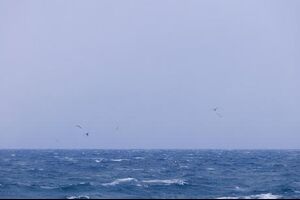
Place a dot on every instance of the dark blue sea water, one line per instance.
(149, 174)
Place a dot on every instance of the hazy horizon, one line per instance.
(148, 74)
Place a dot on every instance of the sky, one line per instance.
(148, 73)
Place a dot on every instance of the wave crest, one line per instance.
(166, 182)
(119, 181)
(78, 197)
(119, 160)
(259, 196)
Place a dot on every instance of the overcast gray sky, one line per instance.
(154, 68)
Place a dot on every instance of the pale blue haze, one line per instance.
(154, 68)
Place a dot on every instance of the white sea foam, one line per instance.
(119, 160)
(78, 197)
(98, 161)
(264, 196)
(48, 187)
(119, 181)
(137, 169)
(69, 159)
(259, 196)
(166, 182)
(23, 184)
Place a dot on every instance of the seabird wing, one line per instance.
(78, 126)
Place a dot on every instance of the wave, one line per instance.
(137, 169)
(239, 188)
(78, 197)
(74, 186)
(22, 184)
(118, 160)
(259, 196)
(119, 181)
(183, 166)
(48, 187)
(35, 169)
(166, 182)
(139, 158)
(210, 169)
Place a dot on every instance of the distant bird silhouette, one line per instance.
(78, 126)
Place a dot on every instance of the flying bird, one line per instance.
(78, 126)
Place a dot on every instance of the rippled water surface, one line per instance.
(149, 174)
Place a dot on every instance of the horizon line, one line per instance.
(126, 149)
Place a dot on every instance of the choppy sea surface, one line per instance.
(91, 174)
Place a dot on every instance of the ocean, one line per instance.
(87, 174)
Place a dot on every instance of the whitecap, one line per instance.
(69, 159)
(166, 182)
(78, 197)
(259, 196)
(265, 196)
(119, 181)
(48, 187)
(23, 184)
(86, 183)
(137, 169)
(98, 161)
(119, 160)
